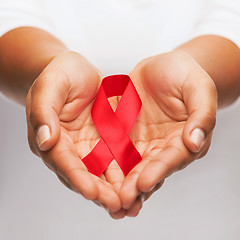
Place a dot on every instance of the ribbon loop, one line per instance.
(114, 127)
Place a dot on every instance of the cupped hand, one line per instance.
(174, 126)
(61, 130)
(178, 97)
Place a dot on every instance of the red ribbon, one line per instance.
(114, 127)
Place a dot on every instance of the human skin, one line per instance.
(59, 87)
(181, 86)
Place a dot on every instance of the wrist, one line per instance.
(24, 53)
(220, 58)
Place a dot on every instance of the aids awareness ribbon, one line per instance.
(114, 127)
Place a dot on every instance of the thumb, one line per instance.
(47, 97)
(200, 97)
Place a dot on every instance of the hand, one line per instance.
(175, 124)
(60, 128)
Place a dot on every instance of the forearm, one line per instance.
(24, 53)
(220, 58)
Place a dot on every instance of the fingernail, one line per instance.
(198, 137)
(43, 134)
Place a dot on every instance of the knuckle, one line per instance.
(36, 112)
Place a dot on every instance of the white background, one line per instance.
(200, 202)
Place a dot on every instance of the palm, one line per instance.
(155, 129)
(157, 134)
(159, 125)
(158, 131)
(69, 101)
(162, 117)
(80, 131)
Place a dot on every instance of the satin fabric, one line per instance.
(114, 127)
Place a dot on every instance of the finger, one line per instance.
(163, 165)
(102, 177)
(71, 171)
(206, 147)
(66, 163)
(66, 184)
(114, 175)
(119, 214)
(134, 210)
(48, 95)
(156, 187)
(107, 196)
(113, 178)
(129, 191)
(200, 97)
(100, 205)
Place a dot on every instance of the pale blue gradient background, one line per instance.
(200, 202)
